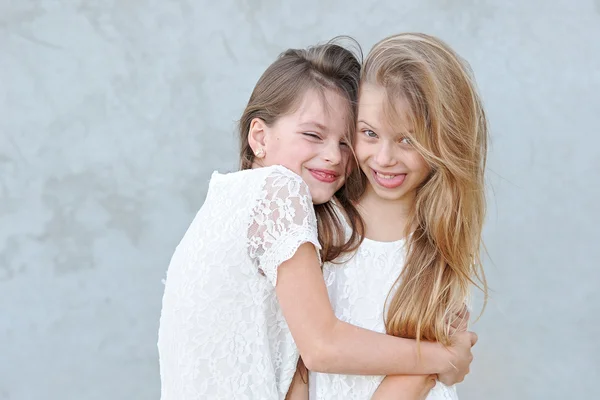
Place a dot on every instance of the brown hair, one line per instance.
(280, 90)
(451, 133)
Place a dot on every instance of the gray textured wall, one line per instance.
(114, 113)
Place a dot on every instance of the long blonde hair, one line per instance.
(279, 91)
(450, 132)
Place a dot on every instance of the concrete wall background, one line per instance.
(114, 114)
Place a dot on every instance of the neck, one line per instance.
(385, 220)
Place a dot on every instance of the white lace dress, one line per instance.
(358, 290)
(222, 334)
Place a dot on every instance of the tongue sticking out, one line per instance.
(389, 181)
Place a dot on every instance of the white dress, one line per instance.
(358, 289)
(222, 334)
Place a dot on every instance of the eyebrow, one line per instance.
(411, 131)
(366, 123)
(314, 124)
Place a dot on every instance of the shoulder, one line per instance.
(277, 174)
(245, 175)
(272, 177)
(283, 173)
(280, 181)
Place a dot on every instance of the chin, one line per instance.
(321, 193)
(319, 197)
(387, 194)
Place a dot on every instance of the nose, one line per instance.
(333, 154)
(385, 155)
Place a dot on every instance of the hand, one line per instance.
(460, 358)
(299, 387)
(459, 321)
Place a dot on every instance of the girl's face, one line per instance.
(310, 142)
(394, 168)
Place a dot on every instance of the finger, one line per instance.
(464, 323)
(459, 325)
(430, 384)
(466, 316)
(474, 338)
(454, 321)
(464, 312)
(460, 318)
(433, 379)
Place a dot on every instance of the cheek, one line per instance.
(348, 161)
(347, 156)
(302, 151)
(273, 146)
(361, 150)
(350, 164)
(419, 165)
(287, 148)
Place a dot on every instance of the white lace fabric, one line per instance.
(222, 334)
(358, 289)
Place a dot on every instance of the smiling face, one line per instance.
(312, 142)
(393, 167)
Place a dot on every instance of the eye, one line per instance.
(312, 135)
(344, 144)
(369, 133)
(405, 140)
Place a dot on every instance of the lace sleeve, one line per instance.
(282, 220)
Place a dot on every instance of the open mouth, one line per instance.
(387, 180)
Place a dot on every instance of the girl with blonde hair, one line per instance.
(421, 145)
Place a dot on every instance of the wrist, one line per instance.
(439, 358)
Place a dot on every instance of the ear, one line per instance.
(257, 134)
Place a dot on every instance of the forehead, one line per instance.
(371, 101)
(322, 107)
(376, 109)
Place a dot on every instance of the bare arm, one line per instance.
(404, 387)
(417, 387)
(332, 346)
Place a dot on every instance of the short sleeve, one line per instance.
(283, 218)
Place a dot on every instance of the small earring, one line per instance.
(260, 153)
